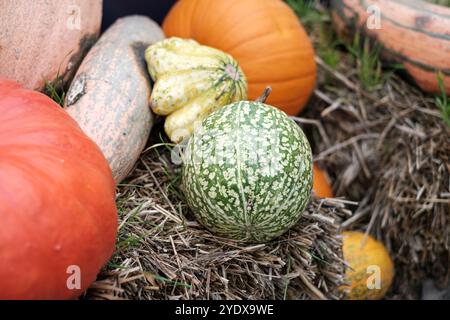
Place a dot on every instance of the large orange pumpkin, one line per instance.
(58, 217)
(266, 38)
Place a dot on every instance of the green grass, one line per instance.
(174, 176)
(129, 241)
(370, 71)
(172, 282)
(330, 56)
(306, 11)
(126, 240)
(314, 20)
(368, 61)
(445, 3)
(54, 90)
(112, 265)
(442, 101)
(327, 49)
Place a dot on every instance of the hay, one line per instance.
(163, 253)
(389, 150)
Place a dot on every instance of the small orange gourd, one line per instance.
(321, 185)
(367, 259)
(264, 36)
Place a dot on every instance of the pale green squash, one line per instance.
(247, 172)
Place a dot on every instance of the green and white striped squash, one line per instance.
(191, 81)
(247, 172)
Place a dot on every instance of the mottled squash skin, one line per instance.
(191, 81)
(373, 253)
(40, 40)
(109, 96)
(247, 172)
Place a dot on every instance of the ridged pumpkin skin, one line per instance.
(191, 81)
(321, 185)
(264, 36)
(247, 172)
(57, 197)
(109, 96)
(373, 253)
(413, 32)
(40, 40)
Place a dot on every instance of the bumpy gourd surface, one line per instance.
(247, 172)
(191, 81)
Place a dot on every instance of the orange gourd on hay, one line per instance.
(366, 257)
(265, 36)
(321, 185)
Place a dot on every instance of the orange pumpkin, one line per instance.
(266, 38)
(368, 259)
(321, 185)
(58, 217)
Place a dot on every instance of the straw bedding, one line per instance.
(389, 150)
(163, 253)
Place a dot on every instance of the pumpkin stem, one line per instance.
(262, 98)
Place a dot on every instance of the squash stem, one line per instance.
(264, 95)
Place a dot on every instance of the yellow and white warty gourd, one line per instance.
(191, 81)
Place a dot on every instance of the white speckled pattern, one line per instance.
(247, 172)
(191, 81)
